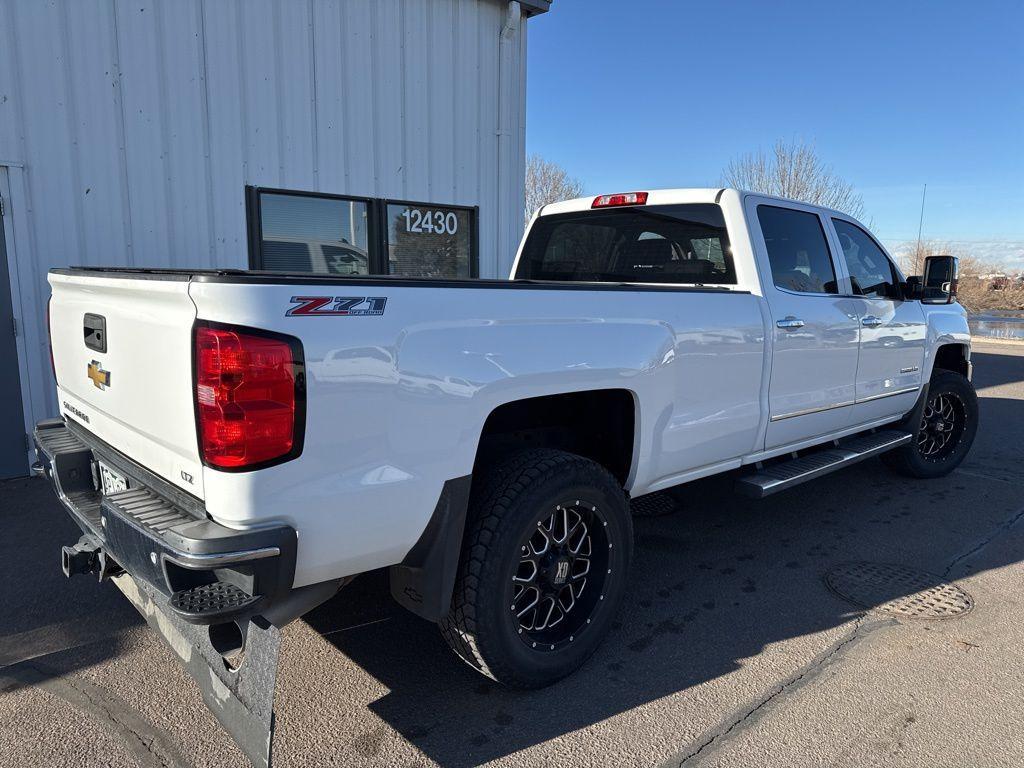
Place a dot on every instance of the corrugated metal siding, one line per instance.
(139, 124)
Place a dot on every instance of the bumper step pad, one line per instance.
(67, 463)
(213, 602)
(152, 512)
(778, 477)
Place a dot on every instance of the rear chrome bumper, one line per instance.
(159, 534)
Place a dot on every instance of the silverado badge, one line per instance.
(98, 376)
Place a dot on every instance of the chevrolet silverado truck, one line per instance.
(236, 445)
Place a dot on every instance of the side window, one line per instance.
(871, 272)
(797, 250)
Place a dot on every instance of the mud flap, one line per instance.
(242, 700)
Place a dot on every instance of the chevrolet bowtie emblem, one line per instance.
(98, 376)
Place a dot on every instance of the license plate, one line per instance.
(112, 481)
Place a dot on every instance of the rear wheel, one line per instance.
(949, 422)
(543, 569)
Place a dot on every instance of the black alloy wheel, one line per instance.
(942, 425)
(561, 574)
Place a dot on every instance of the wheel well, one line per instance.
(597, 424)
(951, 357)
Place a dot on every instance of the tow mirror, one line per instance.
(939, 284)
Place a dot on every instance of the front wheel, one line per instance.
(543, 569)
(949, 422)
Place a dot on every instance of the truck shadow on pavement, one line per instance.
(719, 585)
(722, 580)
(49, 623)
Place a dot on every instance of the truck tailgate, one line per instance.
(122, 351)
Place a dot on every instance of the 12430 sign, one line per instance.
(424, 221)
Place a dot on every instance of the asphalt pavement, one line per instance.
(731, 649)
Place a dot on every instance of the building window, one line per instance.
(307, 233)
(337, 235)
(429, 240)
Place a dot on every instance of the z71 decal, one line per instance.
(351, 306)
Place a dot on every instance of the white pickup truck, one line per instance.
(238, 445)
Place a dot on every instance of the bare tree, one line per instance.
(793, 170)
(983, 284)
(911, 258)
(547, 182)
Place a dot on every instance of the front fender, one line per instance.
(947, 325)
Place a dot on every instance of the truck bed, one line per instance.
(263, 277)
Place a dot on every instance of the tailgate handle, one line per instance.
(95, 327)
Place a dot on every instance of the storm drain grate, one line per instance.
(898, 591)
(652, 505)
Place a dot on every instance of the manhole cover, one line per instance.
(652, 505)
(899, 591)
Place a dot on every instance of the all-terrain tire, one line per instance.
(920, 458)
(507, 506)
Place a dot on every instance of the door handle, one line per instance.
(789, 323)
(870, 321)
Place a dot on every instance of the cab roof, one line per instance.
(654, 197)
(676, 196)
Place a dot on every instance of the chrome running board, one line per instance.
(780, 476)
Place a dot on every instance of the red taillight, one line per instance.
(622, 198)
(249, 396)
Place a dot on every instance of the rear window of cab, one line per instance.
(683, 244)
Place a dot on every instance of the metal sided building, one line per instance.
(339, 136)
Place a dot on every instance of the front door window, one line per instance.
(871, 272)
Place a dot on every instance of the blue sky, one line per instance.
(634, 94)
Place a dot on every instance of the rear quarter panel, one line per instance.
(396, 403)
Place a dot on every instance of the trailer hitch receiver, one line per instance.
(88, 556)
